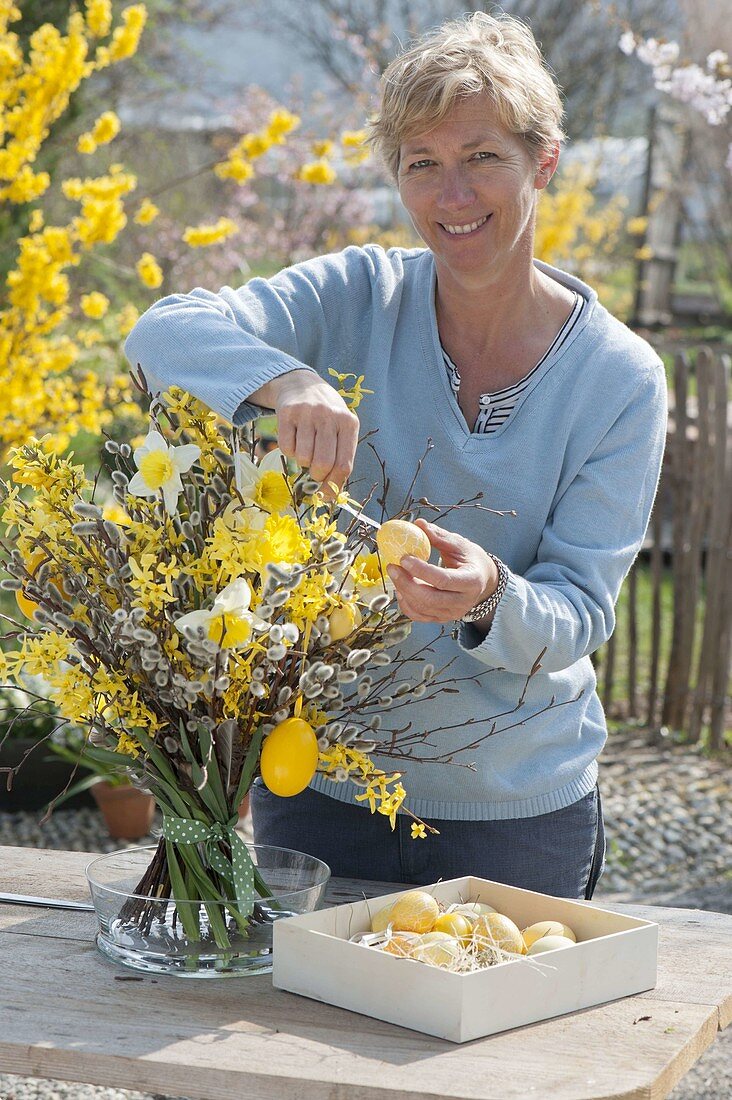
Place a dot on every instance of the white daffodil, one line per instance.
(159, 468)
(229, 622)
(264, 484)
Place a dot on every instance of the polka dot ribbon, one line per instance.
(239, 870)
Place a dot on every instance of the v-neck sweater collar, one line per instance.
(452, 415)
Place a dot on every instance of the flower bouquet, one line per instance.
(210, 624)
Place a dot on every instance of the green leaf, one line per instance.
(249, 767)
(178, 887)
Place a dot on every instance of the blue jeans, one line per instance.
(560, 853)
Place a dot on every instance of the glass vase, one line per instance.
(148, 933)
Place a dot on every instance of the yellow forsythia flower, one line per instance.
(127, 318)
(147, 213)
(322, 148)
(636, 226)
(94, 305)
(254, 145)
(125, 38)
(26, 187)
(281, 122)
(235, 168)
(99, 17)
(105, 129)
(354, 142)
(36, 221)
(202, 235)
(353, 138)
(88, 337)
(644, 253)
(149, 270)
(318, 171)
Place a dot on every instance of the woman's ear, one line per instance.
(547, 167)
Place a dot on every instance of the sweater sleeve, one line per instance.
(566, 600)
(223, 347)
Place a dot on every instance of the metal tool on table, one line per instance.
(44, 903)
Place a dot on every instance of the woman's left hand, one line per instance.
(442, 593)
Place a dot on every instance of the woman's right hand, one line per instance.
(314, 424)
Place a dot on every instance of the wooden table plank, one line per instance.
(216, 1039)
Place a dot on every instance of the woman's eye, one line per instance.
(484, 155)
(420, 164)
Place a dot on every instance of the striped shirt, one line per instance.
(495, 408)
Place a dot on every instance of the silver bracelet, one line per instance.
(488, 606)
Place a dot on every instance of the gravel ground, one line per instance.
(669, 843)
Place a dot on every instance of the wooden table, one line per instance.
(67, 1013)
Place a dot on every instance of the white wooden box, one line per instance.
(614, 956)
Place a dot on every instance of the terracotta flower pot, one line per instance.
(128, 812)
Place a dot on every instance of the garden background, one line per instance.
(153, 148)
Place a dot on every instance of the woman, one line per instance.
(531, 393)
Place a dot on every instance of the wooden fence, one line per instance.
(668, 662)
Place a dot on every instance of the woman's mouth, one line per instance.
(466, 229)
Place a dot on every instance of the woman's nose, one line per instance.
(456, 191)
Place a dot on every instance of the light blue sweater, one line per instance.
(578, 460)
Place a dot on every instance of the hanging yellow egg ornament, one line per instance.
(33, 564)
(289, 757)
(398, 537)
(343, 620)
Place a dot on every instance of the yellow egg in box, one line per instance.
(415, 911)
(289, 757)
(436, 948)
(494, 930)
(549, 943)
(547, 928)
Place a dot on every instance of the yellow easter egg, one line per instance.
(381, 919)
(289, 757)
(27, 606)
(471, 910)
(343, 620)
(495, 930)
(437, 949)
(398, 537)
(401, 945)
(547, 928)
(415, 911)
(455, 924)
(549, 943)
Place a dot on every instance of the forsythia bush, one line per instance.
(47, 389)
(44, 389)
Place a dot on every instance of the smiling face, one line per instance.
(469, 186)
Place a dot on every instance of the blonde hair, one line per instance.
(464, 57)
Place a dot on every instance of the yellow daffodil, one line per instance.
(264, 484)
(366, 579)
(159, 468)
(229, 622)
